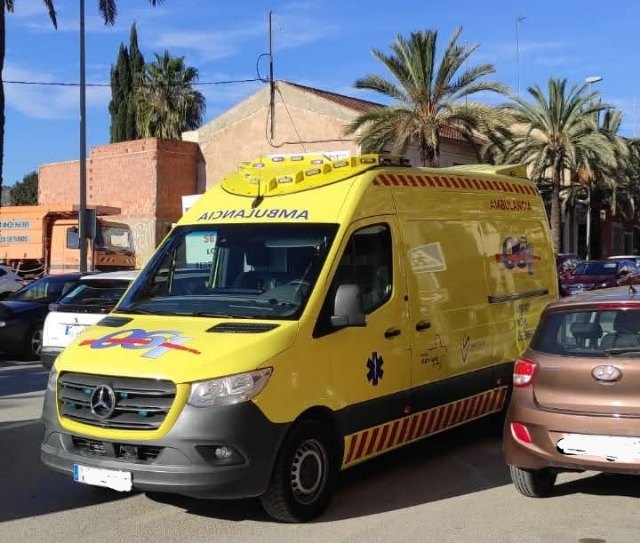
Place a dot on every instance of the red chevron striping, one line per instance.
(468, 404)
(475, 404)
(482, 409)
(424, 426)
(372, 442)
(383, 437)
(363, 442)
(454, 182)
(412, 426)
(446, 411)
(456, 411)
(420, 426)
(403, 431)
(437, 420)
(352, 448)
(394, 431)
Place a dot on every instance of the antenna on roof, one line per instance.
(258, 199)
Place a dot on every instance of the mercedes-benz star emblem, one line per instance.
(103, 401)
(606, 374)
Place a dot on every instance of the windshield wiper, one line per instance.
(622, 350)
(217, 315)
(138, 312)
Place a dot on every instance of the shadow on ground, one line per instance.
(460, 462)
(28, 489)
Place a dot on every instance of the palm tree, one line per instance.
(553, 134)
(429, 94)
(167, 102)
(605, 183)
(108, 10)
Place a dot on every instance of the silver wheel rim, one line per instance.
(309, 471)
(36, 342)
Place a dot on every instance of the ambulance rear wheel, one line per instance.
(304, 474)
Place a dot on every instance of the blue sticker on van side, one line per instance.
(374, 369)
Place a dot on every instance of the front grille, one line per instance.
(140, 404)
(126, 452)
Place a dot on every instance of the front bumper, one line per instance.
(547, 428)
(182, 462)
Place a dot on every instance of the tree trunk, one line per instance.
(2, 116)
(555, 207)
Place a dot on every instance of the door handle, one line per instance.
(423, 325)
(392, 332)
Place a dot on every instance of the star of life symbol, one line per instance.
(156, 343)
(374, 369)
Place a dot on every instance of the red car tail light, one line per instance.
(520, 432)
(523, 372)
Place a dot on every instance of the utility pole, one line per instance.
(272, 85)
(518, 21)
(82, 210)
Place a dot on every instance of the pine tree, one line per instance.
(120, 92)
(136, 69)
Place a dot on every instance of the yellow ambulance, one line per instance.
(308, 313)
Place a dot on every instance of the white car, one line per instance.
(10, 281)
(88, 303)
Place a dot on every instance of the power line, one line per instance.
(73, 84)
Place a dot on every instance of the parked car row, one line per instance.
(42, 317)
(577, 275)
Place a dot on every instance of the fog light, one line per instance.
(220, 454)
(223, 453)
(129, 451)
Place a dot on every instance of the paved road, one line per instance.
(452, 488)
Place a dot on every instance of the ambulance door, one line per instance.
(369, 363)
(451, 340)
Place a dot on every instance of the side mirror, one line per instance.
(348, 307)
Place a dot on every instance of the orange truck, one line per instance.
(36, 240)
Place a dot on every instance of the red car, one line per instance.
(595, 274)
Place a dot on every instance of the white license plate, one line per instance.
(610, 447)
(72, 330)
(116, 480)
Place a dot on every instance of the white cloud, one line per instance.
(48, 102)
(292, 28)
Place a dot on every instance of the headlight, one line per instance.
(2, 324)
(229, 390)
(51, 383)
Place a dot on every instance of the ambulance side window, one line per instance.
(366, 262)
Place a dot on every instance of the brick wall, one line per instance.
(144, 178)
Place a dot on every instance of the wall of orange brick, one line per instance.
(144, 178)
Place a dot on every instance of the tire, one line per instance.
(33, 343)
(533, 483)
(304, 474)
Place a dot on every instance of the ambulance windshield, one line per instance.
(233, 270)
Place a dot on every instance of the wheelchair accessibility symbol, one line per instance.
(156, 343)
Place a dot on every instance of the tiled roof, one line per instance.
(359, 105)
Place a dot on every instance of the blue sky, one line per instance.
(322, 43)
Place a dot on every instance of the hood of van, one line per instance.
(182, 349)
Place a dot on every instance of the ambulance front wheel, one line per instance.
(304, 474)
